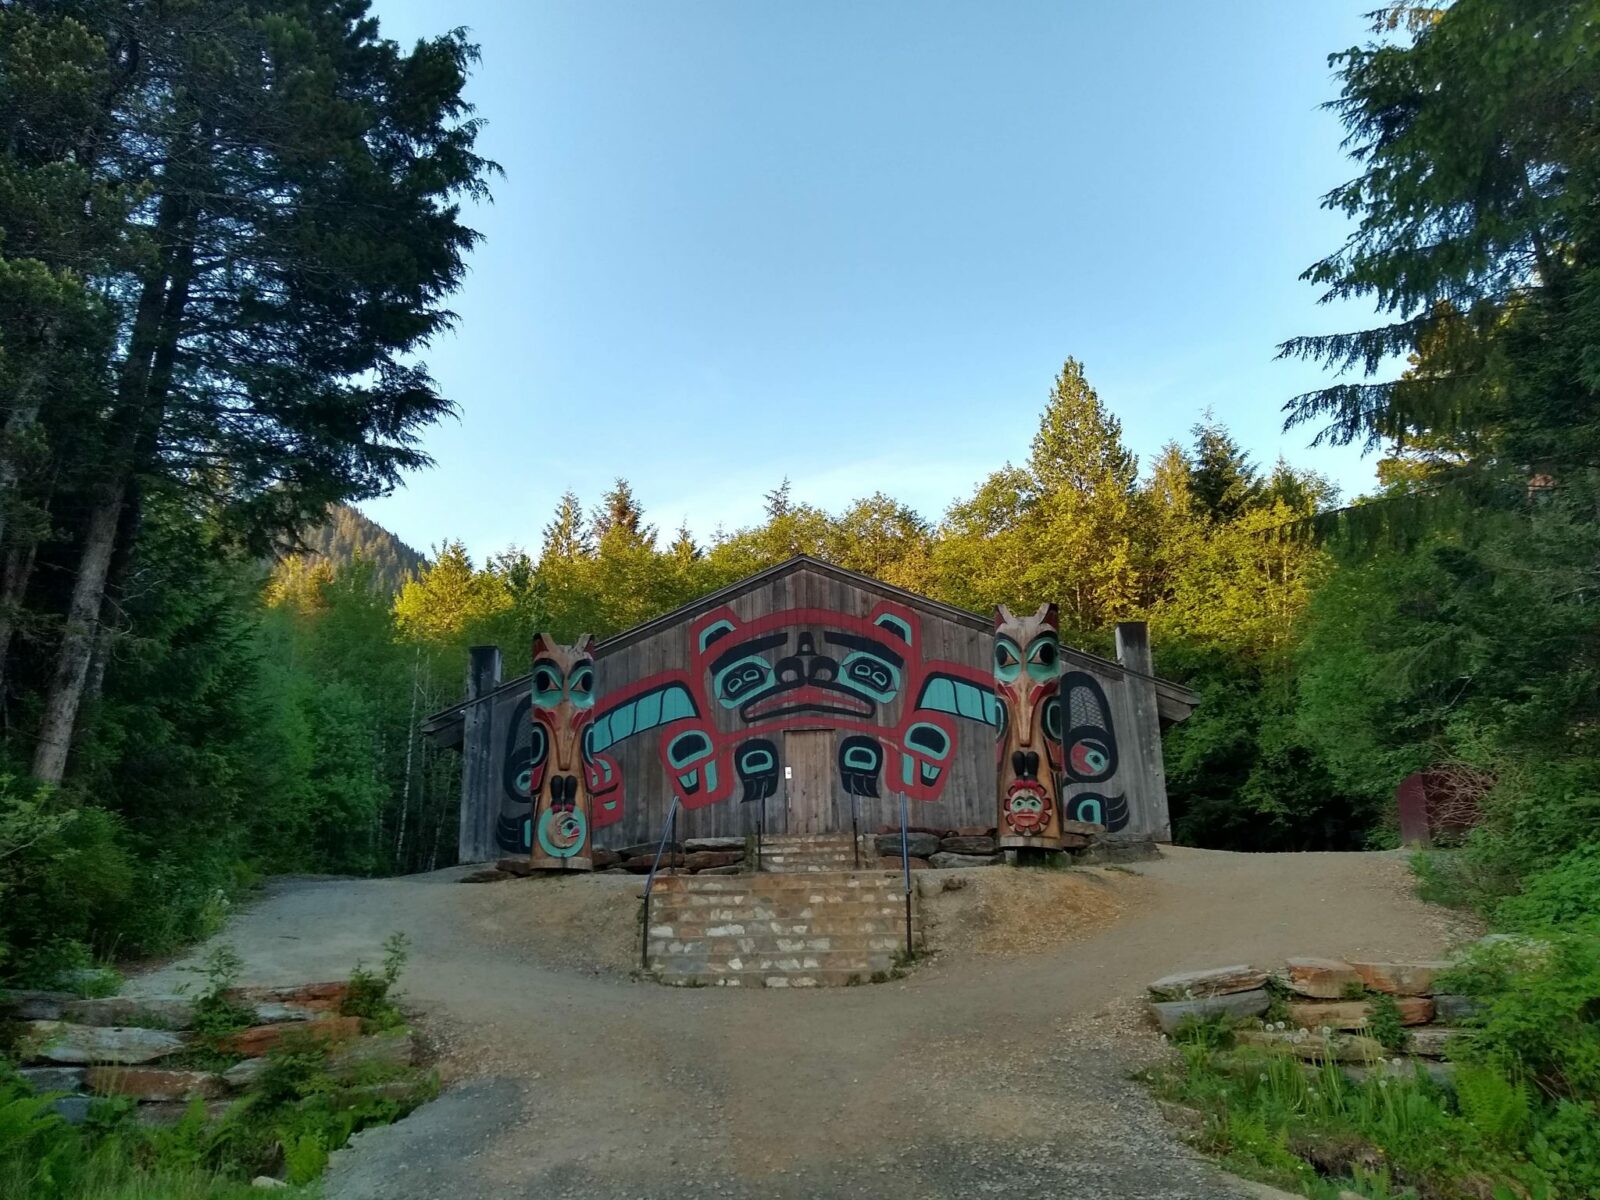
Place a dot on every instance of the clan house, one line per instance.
(808, 699)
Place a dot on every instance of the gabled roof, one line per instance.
(1176, 701)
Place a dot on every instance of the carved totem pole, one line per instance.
(563, 705)
(1027, 681)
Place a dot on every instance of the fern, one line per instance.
(1500, 1109)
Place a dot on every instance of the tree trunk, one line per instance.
(13, 587)
(405, 791)
(141, 397)
(77, 640)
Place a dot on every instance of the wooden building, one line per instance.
(806, 699)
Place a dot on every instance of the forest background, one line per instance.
(227, 232)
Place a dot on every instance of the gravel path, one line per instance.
(972, 1076)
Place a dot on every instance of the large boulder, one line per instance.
(1171, 1014)
(1212, 981)
(897, 864)
(918, 845)
(62, 1042)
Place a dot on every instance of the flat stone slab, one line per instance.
(32, 1005)
(1435, 1041)
(918, 845)
(1213, 981)
(1401, 978)
(52, 1079)
(243, 1074)
(969, 845)
(260, 1039)
(1456, 1008)
(1405, 1068)
(63, 1042)
(152, 1084)
(395, 1048)
(151, 1012)
(1170, 1014)
(713, 844)
(1322, 978)
(1353, 1048)
(1356, 1014)
(945, 860)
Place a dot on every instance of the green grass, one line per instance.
(1310, 1129)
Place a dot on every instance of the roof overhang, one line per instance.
(1175, 702)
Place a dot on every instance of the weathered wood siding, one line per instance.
(967, 796)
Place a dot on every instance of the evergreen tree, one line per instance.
(1476, 234)
(567, 535)
(619, 513)
(1084, 482)
(1223, 481)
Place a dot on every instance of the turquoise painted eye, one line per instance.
(580, 689)
(1044, 659)
(687, 748)
(739, 681)
(547, 690)
(1007, 660)
(870, 675)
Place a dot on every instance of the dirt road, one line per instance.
(972, 1076)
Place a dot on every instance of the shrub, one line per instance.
(369, 993)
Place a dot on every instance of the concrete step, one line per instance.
(884, 940)
(779, 927)
(808, 919)
(834, 977)
(711, 885)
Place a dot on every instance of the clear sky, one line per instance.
(851, 243)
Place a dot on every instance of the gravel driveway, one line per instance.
(970, 1077)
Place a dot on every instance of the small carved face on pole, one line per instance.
(1027, 681)
(563, 705)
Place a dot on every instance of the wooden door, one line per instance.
(808, 780)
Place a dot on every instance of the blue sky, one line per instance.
(852, 244)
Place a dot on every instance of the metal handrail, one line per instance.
(905, 867)
(650, 882)
(855, 829)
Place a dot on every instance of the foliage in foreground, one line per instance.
(1489, 1134)
(288, 1123)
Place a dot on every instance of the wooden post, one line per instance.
(1147, 783)
(477, 841)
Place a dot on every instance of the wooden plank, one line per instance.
(1149, 817)
(475, 839)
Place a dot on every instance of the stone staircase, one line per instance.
(791, 853)
(797, 926)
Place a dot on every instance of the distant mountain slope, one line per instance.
(347, 533)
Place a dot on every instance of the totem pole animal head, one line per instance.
(1027, 682)
(563, 705)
